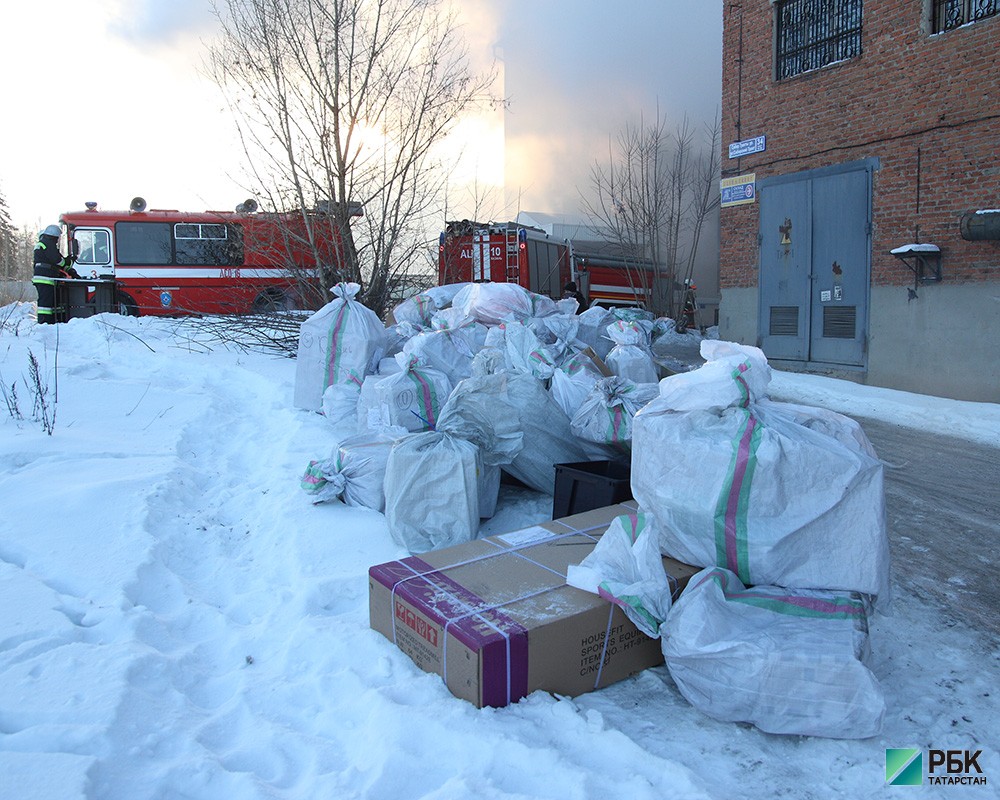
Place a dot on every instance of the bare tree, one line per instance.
(654, 188)
(8, 241)
(704, 195)
(16, 256)
(341, 106)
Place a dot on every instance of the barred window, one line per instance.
(950, 14)
(207, 243)
(814, 33)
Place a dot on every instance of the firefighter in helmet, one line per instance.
(49, 265)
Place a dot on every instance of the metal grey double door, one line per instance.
(815, 264)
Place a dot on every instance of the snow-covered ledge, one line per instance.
(925, 261)
(907, 249)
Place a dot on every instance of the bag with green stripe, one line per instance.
(339, 344)
(355, 471)
(411, 398)
(626, 569)
(606, 414)
(771, 492)
(787, 661)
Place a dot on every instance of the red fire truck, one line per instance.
(512, 253)
(169, 262)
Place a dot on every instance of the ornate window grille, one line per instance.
(814, 33)
(949, 14)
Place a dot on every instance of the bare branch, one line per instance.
(653, 188)
(340, 103)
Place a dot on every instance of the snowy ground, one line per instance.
(177, 620)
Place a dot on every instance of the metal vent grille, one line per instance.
(839, 322)
(784, 321)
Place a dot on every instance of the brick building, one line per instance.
(860, 233)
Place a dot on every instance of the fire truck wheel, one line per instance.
(127, 305)
(270, 301)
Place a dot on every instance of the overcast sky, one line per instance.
(104, 101)
(578, 70)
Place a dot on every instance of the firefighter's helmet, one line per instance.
(52, 230)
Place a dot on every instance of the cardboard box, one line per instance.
(603, 368)
(496, 620)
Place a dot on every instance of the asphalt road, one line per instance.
(943, 506)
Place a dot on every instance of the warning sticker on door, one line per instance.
(786, 231)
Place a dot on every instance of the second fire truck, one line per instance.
(511, 253)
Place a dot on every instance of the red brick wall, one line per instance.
(908, 93)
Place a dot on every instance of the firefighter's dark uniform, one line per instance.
(570, 290)
(49, 265)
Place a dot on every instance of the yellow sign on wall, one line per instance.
(739, 191)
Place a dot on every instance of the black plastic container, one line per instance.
(82, 298)
(586, 485)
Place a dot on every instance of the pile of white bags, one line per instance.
(777, 495)
(784, 499)
(468, 378)
(339, 344)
